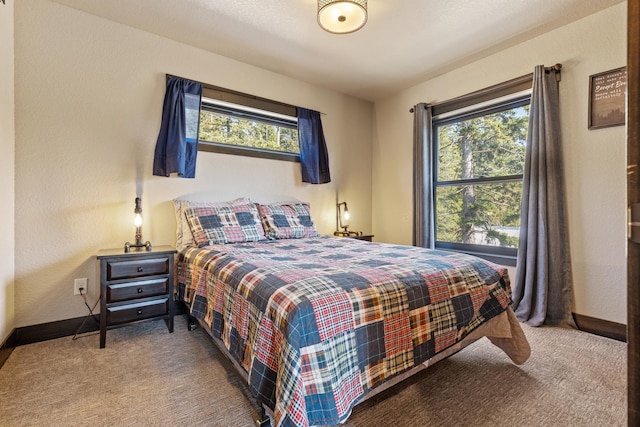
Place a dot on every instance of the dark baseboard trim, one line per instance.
(179, 308)
(58, 329)
(604, 328)
(46, 331)
(53, 330)
(7, 347)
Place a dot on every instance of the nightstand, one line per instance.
(354, 235)
(366, 237)
(135, 286)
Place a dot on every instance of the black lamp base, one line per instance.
(137, 245)
(346, 233)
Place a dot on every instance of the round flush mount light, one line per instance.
(342, 16)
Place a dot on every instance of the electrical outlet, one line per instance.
(80, 283)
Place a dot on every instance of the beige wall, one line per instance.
(7, 172)
(88, 106)
(594, 159)
(88, 95)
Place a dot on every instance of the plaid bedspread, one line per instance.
(318, 322)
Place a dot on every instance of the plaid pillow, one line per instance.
(287, 221)
(184, 237)
(212, 225)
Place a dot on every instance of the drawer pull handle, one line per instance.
(140, 269)
(139, 290)
(139, 311)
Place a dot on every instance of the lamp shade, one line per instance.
(342, 16)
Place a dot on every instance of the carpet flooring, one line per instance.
(148, 377)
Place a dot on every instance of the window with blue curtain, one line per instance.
(177, 145)
(183, 116)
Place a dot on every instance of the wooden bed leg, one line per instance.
(192, 323)
(264, 420)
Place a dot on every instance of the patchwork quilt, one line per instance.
(318, 322)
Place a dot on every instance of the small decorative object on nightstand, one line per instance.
(138, 223)
(342, 216)
(135, 286)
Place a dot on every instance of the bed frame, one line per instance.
(503, 331)
(264, 419)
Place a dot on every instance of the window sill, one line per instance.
(501, 256)
(213, 147)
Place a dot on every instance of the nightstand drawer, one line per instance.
(137, 268)
(132, 312)
(141, 289)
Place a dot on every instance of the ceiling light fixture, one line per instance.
(342, 16)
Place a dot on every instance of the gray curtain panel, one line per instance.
(423, 189)
(543, 288)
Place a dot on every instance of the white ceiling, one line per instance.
(403, 43)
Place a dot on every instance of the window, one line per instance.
(479, 154)
(235, 123)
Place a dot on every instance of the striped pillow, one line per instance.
(211, 225)
(281, 221)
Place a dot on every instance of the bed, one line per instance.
(318, 323)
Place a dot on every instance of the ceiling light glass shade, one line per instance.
(342, 16)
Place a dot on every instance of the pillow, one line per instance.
(184, 237)
(211, 225)
(287, 221)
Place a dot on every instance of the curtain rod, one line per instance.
(257, 98)
(500, 86)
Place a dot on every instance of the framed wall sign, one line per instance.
(607, 93)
